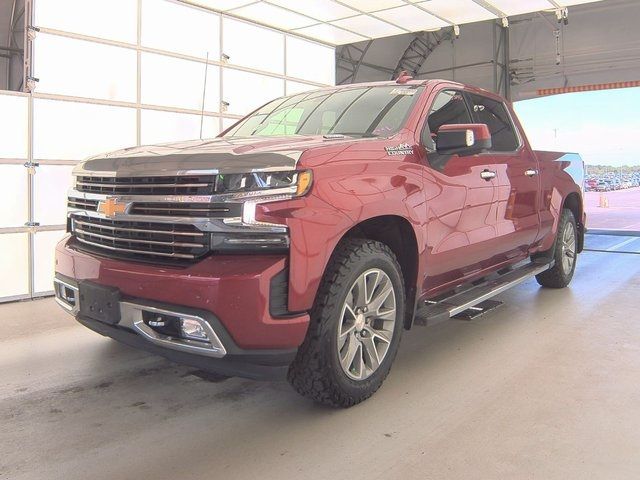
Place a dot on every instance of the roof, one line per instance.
(338, 22)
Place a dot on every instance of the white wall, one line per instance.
(116, 73)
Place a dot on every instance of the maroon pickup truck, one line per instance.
(307, 237)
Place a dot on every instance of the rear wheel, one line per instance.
(565, 254)
(355, 328)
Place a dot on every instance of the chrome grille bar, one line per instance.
(139, 239)
(138, 186)
(140, 252)
(142, 230)
(141, 185)
(135, 240)
(186, 209)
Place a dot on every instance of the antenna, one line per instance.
(204, 93)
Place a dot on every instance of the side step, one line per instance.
(443, 308)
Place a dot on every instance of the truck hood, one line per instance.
(211, 156)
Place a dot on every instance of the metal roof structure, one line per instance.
(339, 22)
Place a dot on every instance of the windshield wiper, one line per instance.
(355, 134)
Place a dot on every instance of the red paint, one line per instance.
(465, 226)
(480, 131)
(234, 288)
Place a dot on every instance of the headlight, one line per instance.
(292, 182)
(253, 189)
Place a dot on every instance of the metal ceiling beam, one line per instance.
(491, 8)
(349, 58)
(422, 45)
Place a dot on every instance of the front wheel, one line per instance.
(355, 328)
(565, 254)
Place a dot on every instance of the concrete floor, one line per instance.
(546, 386)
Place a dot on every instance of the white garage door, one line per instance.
(116, 73)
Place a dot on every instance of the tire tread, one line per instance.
(310, 374)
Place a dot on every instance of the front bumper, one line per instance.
(230, 294)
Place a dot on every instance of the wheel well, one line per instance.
(574, 203)
(397, 233)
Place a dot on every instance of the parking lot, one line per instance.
(623, 212)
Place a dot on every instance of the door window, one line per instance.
(494, 114)
(449, 108)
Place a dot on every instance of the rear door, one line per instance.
(461, 205)
(517, 180)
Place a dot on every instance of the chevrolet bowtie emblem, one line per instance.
(110, 207)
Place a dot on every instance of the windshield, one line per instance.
(365, 112)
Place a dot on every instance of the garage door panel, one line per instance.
(161, 127)
(44, 244)
(14, 258)
(244, 91)
(113, 19)
(321, 69)
(13, 126)
(13, 199)
(173, 27)
(73, 131)
(252, 46)
(174, 82)
(67, 66)
(51, 184)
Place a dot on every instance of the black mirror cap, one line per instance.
(463, 139)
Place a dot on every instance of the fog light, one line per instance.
(192, 329)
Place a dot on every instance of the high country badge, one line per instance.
(402, 149)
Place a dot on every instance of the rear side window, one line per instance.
(494, 114)
(448, 108)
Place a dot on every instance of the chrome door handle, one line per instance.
(531, 172)
(487, 175)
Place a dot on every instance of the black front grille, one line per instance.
(205, 210)
(140, 240)
(82, 204)
(174, 185)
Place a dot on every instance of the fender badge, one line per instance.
(402, 149)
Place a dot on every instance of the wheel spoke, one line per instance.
(344, 335)
(371, 289)
(387, 315)
(348, 309)
(380, 334)
(350, 354)
(381, 297)
(371, 352)
(359, 362)
(360, 299)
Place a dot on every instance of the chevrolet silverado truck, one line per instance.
(304, 239)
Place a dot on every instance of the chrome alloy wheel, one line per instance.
(568, 247)
(366, 324)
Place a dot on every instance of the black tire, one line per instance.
(316, 372)
(560, 275)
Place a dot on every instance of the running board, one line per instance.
(443, 308)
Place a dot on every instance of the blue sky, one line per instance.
(604, 126)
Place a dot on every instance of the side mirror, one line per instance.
(463, 139)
